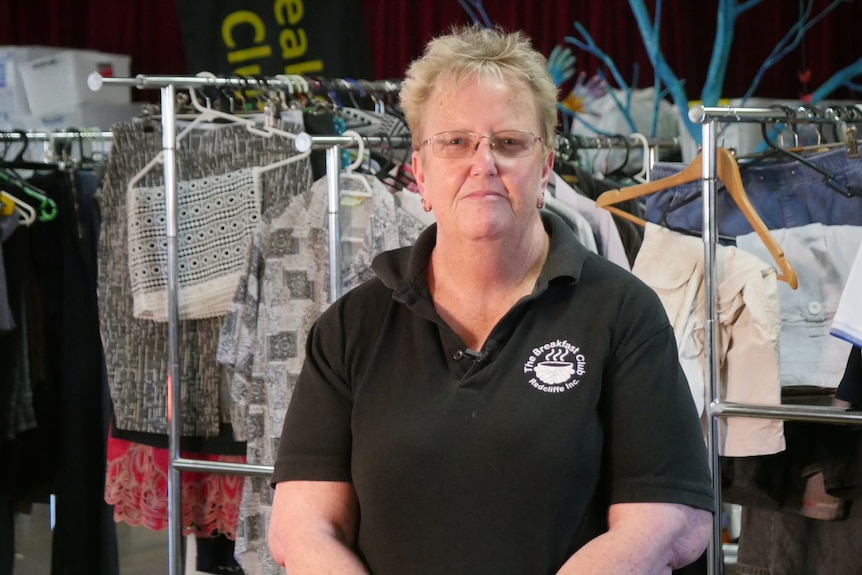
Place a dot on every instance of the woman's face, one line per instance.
(485, 196)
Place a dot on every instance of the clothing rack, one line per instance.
(333, 144)
(570, 143)
(709, 117)
(67, 137)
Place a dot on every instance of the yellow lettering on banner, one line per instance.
(304, 67)
(247, 54)
(293, 44)
(293, 9)
(238, 18)
(253, 70)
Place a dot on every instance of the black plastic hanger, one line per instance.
(828, 178)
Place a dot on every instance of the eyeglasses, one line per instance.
(459, 144)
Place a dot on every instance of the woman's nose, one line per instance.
(484, 156)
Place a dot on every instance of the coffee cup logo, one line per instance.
(556, 366)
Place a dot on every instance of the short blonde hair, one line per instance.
(468, 52)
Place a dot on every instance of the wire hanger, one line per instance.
(209, 113)
(641, 175)
(348, 171)
(727, 171)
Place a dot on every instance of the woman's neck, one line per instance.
(489, 267)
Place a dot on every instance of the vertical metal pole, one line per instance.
(169, 148)
(333, 195)
(653, 158)
(708, 155)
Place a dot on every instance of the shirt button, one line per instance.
(458, 355)
(814, 308)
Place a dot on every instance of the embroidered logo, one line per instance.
(556, 366)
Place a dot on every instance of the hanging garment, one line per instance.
(8, 225)
(776, 537)
(822, 256)
(215, 217)
(56, 351)
(631, 234)
(847, 323)
(608, 241)
(785, 194)
(263, 339)
(748, 320)
(136, 361)
(136, 485)
(574, 220)
(850, 387)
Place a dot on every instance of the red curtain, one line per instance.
(148, 31)
(398, 30)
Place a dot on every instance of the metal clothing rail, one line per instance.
(800, 114)
(709, 117)
(568, 143)
(601, 142)
(43, 136)
(167, 86)
(95, 81)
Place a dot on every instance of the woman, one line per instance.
(498, 400)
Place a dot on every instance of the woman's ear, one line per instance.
(418, 170)
(547, 169)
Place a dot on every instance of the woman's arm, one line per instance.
(644, 539)
(313, 528)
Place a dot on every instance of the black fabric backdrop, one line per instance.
(149, 30)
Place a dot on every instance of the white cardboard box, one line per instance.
(59, 81)
(13, 98)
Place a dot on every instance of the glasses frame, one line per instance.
(491, 143)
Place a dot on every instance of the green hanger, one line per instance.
(46, 206)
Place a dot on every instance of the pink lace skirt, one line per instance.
(137, 486)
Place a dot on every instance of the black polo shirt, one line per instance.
(504, 460)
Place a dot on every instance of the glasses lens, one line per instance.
(513, 143)
(457, 144)
(454, 144)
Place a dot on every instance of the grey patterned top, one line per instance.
(263, 339)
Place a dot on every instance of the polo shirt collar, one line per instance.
(405, 270)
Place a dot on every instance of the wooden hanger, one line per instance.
(727, 171)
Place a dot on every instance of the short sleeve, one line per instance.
(316, 436)
(655, 450)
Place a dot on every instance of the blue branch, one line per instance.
(590, 46)
(840, 78)
(790, 41)
(745, 6)
(480, 10)
(656, 106)
(477, 13)
(727, 13)
(661, 66)
(579, 118)
(624, 109)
